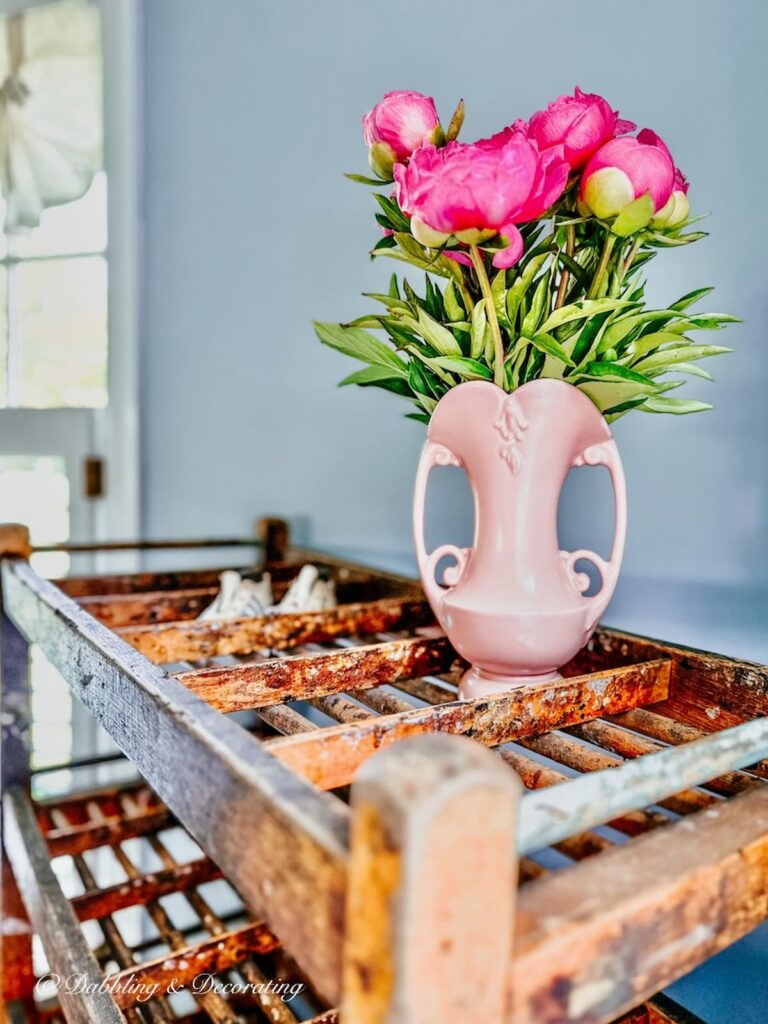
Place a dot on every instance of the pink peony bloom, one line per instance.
(581, 123)
(676, 209)
(650, 138)
(622, 171)
(402, 121)
(479, 190)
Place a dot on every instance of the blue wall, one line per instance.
(253, 111)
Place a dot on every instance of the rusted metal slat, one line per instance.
(185, 963)
(142, 609)
(667, 730)
(627, 745)
(238, 687)
(97, 903)
(584, 759)
(549, 816)
(329, 757)
(75, 839)
(194, 757)
(122, 584)
(191, 641)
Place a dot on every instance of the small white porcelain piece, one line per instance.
(309, 592)
(238, 598)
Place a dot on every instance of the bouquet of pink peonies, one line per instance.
(539, 235)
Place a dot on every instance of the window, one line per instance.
(53, 249)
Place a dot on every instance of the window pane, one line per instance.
(79, 226)
(3, 338)
(34, 490)
(51, 707)
(59, 333)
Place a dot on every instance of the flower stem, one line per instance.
(602, 266)
(462, 285)
(631, 255)
(490, 312)
(570, 244)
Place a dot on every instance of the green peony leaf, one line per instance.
(499, 293)
(614, 371)
(621, 327)
(580, 311)
(392, 212)
(661, 241)
(479, 324)
(667, 357)
(361, 178)
(359, 344)
(533, 317)
(712, 321)
(609, 394)
(692, 369)
(453, 308)
(588, 339)
(387, 242)
(677, 406)
(388, 300)
(522, 283)
(691, 297)
(439, 337)
(549, 346)
(370, 375)
(469, 369)
(649, 342)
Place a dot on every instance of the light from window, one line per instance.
(53, 277)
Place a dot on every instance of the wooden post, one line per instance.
(16, 940)
(432, 886)
(273, 534)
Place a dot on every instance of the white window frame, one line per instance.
(117, 427)
(115, 432)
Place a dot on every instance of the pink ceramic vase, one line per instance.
(513, 604)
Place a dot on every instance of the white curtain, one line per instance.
(50, 108)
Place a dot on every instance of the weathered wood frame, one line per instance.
(299, 857)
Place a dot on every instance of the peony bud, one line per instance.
(402, 121)
(674, 213)
(381, 158)
(622, 171)
(606, 192)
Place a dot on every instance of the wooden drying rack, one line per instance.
(397, 898)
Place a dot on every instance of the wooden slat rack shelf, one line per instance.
(407, 882)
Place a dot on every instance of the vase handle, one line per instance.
(606, 453)
(434, 454)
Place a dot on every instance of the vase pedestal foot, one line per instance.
(477, 683)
